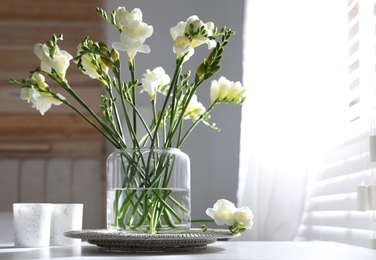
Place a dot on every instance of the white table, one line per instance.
(219, 250)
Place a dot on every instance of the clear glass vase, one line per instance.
(148, 190)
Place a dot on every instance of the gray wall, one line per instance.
(214, 155)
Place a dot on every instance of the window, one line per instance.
(361, 66)
(341, 204)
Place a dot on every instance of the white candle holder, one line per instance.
(32, 224)
(65, 217)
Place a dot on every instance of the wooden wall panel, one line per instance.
(26, 35)
(46, 127)
(24, 23)
(46, 10)
(48, 158)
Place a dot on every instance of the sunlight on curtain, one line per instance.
(295, 74)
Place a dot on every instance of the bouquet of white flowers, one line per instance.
(176, 94)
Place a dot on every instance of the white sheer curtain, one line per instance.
(295, 75)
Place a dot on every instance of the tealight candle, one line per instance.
(32, 224)
(65, 217)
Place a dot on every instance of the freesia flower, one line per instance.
(224, 212)
(182, 45)
(39, 81)
(153, 80)
(190, 34)
(59, 60)
(194, 109)
(133, 32)
(244, 217)
(38, 95)
(227, 91)
(44, 101)
(236, 92)
(91, 63)
(28, 93)
(193, 25)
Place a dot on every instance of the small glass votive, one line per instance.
(32, 224)
(65, 217)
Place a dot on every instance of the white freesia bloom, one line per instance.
(59, 62)
(236, 92)
(134, 32)
(194, 109)
(90, 64)
(37, 94)
(153, 80)
(88, 67)
(182, 45)
(186, 36)
(194, 23)
(121, 14)
(43, 102)
(244, 217)
(27, 93)
(226, 90)
(128, 20)
(40, 81)
(222, 212)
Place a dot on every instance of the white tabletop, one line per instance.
(219, 250)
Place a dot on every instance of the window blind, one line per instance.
(331, 212)
(353, 37)
(361, 65)
(340, 183)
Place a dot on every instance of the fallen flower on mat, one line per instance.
(224, 212)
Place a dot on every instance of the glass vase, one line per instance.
(148, 190)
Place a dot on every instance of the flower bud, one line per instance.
(209, 59)
(107, 62)
(31, 81)
(200, 70)
(215, 69)
(103, 48)
(114, 54)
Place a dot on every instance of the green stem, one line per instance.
(108, 137)
(115, 109)
(174, 81)
(178, 204)
(181, 141)
(153, 105)
(148, 130)
(176, 126)
(134, 102)
(202, 220)
(153, 217)
(64, 84)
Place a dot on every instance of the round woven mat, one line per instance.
(116, 241)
